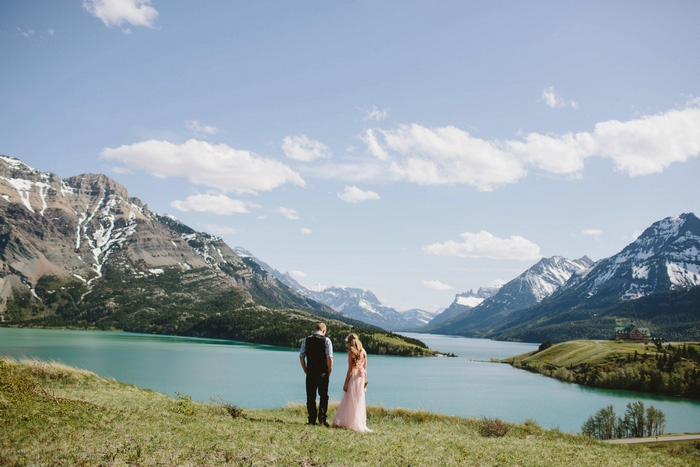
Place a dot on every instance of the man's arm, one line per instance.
(302, 355)
(329, 355)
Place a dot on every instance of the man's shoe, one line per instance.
(310, 423)
(325, 423)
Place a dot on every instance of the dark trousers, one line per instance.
(314, 383)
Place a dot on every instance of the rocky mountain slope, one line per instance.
(651, 281)
(355, 303)
(665, 257)
(526, 290)
(72, 240)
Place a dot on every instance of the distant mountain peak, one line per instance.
(664, 257)
(353, 302)
(531, 287)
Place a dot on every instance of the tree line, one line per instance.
(636, 422)
(670, 370)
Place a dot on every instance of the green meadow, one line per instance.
(51, 414)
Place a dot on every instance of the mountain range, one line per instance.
(526, 290)
(355, 303)
(559, 299)
(654, 282)
(87, 228)
(80, 252)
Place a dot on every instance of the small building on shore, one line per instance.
(631, 332)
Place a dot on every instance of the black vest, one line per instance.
(316, 354)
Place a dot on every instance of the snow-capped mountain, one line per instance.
(665, 257)
(363, 305)
(465, 301)
(653, 281)
(415, 317)
(526, 290)
(355, 303)
(85, 231)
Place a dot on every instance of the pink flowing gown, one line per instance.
(352, 412)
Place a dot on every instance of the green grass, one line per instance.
(51, 414)
(574, 353)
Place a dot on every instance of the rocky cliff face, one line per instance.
(84, 228)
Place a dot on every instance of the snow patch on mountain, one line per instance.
(664, 257)
(683, 275)
(468, 301)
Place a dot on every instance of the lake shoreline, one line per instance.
(88, 420)
(464, 386)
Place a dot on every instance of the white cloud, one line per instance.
(301, 148)
(564, 154)
(201, 130)
(555, 101)
(373, 146)
(289, 213)
(353, 194)
(201, 163)
(449, 155)
(306, 231)
(486, 245)
(119, 12)
(51, 32)
(215, 204)
(437, 285)
(217, 229)
(375, 114)
(593, 232)
(297, 274)
(651, 143)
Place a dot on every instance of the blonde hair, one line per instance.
(355, 348)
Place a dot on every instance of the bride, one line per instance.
(352, 412)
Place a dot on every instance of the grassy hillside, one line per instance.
(668, 369)
(51, 414)
(575, 353)
(153, 304)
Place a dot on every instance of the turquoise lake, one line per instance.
(257, 376)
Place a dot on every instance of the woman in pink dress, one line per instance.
(352, 412)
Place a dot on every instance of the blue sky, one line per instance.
(418, 149)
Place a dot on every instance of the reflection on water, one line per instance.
(258, 376)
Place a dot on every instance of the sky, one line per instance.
(417, 149)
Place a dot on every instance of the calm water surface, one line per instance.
(257, 376)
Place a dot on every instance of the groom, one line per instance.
(317, 362)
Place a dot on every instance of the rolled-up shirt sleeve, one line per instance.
(329, 348)
(302, 353)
